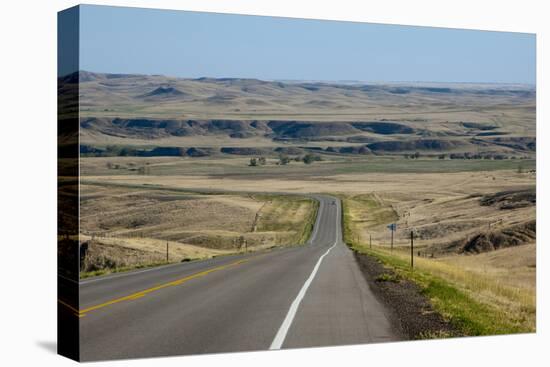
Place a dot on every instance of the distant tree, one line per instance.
(144, 170)
(262, 161)
(284, 160)
(520, 168)
(127, 152)
(310, 158)
(111, 150)
(298, 158)
(253, 162)
(442, 156)
(416, 155)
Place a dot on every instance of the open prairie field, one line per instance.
(238, 167)
(332, 175)
(476, 206)
(125, 226)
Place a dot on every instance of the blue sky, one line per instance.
(191, 44)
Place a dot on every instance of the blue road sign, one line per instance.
(392, 227)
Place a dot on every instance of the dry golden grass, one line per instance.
(349, 170)
(156, 248)
(514, 266)
(481, 277)
(440, 208)
(127, 227)
(320, 177)
(211, 221)
(126, 212)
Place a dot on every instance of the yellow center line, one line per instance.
(133, 296)
(75, 310)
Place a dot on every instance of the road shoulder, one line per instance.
(410, 312)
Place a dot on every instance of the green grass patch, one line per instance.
(430, 165)
(310, 223)
(387, 277)
(283, 214)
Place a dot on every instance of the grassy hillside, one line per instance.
(473, 300)
(124, 226)
(484, 292)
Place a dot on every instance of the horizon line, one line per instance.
(327, 81)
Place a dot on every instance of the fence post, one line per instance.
(412, 249)
(391, 249)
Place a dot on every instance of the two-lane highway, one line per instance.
(312, 295)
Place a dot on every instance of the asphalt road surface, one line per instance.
(305, 296)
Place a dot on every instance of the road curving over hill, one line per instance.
(304, 296)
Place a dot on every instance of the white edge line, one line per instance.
(287, 322)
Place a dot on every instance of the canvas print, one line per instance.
(234, 183)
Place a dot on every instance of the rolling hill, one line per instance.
(161, 111)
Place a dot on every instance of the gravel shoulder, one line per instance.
(411, 312)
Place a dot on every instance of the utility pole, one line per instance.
(392, 227)
(412, 249)
(391, 249)
(166, 251)
(370, 240)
